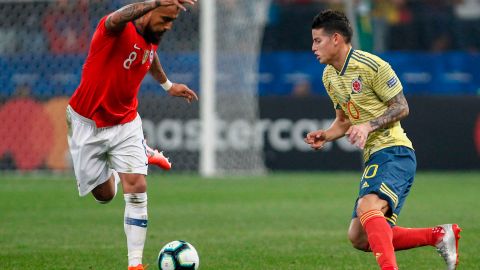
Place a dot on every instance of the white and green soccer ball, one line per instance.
(178, 255)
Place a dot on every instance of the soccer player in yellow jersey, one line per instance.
(369, 104)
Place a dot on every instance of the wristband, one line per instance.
(167, 85)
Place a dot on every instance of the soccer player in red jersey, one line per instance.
(369, 103)
(105, 131)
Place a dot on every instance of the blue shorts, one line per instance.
(389, 173)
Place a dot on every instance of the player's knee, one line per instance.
(358, 241)
(104, 193)
(360, 245)
(134, 183)
(136, 187)
(371, 202)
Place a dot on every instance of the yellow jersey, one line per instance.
(362, 89)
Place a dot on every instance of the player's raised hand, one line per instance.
(316, 139)
(178, 3)
(358, 134)
(181, 90)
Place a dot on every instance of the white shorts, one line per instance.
(96, 151)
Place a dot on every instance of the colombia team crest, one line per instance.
(357, 85)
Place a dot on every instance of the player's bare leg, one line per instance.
(357, 236)
(105, 192)
(136, 217)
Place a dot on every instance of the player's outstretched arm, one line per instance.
(156, 70)
(118, 19)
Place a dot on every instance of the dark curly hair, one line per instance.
(333, 21)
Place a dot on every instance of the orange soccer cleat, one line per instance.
(138, 267)
(157, 158)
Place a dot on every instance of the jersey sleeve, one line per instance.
(329, 90)
(102, 29)
(386, 83)
(101, 38)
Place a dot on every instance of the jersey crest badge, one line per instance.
(357, 85)
(151, 55)
(146, 54)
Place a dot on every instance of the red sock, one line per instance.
(380, 239)
(406, 238)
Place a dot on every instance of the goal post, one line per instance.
(207, 84)
(230, 43)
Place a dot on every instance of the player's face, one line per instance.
(161, 20)
(324, 46)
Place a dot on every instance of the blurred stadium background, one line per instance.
(269, 89)
(269, 94)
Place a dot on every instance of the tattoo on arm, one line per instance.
(397, 110)
(118, 19)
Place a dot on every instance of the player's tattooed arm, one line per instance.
(397, 110)
(118, 19)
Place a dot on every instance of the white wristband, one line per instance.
(167, 85)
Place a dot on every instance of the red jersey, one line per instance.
(113, 71)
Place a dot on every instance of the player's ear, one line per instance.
(336, 38)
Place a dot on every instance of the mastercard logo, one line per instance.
(33, 134)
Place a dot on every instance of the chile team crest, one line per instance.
(146, 54)
(357, 85)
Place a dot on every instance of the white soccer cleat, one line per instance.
(447, 247)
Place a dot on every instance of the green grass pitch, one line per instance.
(280, 221)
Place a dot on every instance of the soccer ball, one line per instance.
(178, 255)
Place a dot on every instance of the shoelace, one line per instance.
(438, 233)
